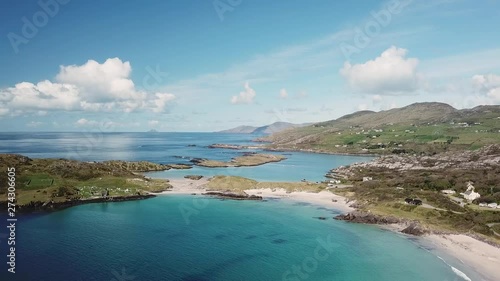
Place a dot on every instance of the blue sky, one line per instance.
(74, 65)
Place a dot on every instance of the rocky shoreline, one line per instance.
(233, 196)
(411, 227)
(51, 206)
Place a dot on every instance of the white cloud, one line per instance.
(84, 122)
(296, 109)
(390, 73)
(245, 97)
(4, 111)
(362, 107)
(90, 87)
(489, 85)
(160, 102)
(283, 94)
(42, 96)
(104, 82)
(34, 124)
(376, 98)
(105, 123)
(153, 122)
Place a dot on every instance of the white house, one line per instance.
(470, 194)
(448, 191)
(493, 205)
(367, 178)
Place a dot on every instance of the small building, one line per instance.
(483, 205)
(493, 205)
(367, 178)
(448, 191)
(470, 194)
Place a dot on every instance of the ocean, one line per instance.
(183, 237)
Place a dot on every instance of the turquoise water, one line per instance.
(296, 167)
(191, 238)
(171, 148)
(178, 237)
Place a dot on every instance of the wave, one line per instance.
(456, 271)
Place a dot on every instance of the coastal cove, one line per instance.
(271, 237)
(186, 228)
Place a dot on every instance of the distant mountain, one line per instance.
(268, 129)
(412, 114)
(152, 131)
(419, 127)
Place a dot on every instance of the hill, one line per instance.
(268, 129)
(416, 128)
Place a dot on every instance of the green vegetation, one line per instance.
(391, 182)
(251, 159)
(425, 128)
(59, 180)
(239, 185)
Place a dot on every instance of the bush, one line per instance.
(64, 191)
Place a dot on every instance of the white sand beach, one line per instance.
(187, 186)
(323, 198)
(480, 256)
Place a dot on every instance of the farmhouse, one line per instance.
(470, 194)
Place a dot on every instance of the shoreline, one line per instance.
(323, 198)
(480, 257)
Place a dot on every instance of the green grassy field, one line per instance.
(44, 180)
(239, 184)
(396, 131)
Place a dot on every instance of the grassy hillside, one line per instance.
(393, 178)
(58, 180)
(418, 128)
(239, 184)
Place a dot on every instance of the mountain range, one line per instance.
(427, 127)
(263, 130)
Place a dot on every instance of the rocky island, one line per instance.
(247, 160)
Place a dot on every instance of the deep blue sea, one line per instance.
(181, 237)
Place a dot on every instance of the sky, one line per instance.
(208, 65)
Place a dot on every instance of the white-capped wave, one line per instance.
(456, 271)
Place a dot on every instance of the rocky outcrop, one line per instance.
(193, 177)
(227, 146)
(414, 229)
(369, 218)
(233, 196)
(38, 206)
(179, 166)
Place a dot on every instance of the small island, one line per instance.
(247, 160)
